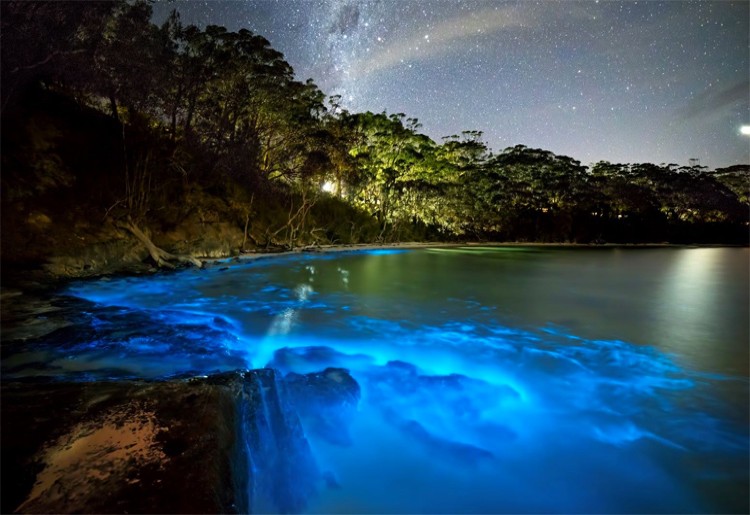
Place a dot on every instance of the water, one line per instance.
(513, 379)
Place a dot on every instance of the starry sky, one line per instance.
(633, 81)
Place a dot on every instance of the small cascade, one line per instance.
(281, 471)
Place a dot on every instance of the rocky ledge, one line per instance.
(227, 443)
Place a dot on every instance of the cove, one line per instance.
(462, 379)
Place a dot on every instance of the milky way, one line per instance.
(657, 82)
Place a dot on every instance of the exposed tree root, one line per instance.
(160, 256)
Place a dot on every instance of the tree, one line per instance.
(737, 179)
(529, 193)
(48, 41)
(131, 61)
(390, 154)
(442, 187)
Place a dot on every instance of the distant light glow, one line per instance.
(328, 187)
(745, 129)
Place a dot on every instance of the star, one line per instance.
(504, 68)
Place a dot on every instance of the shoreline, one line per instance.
(323, 249)
(34, 276)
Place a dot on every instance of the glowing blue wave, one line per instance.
(459, 412)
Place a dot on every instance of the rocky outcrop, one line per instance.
(327, 401)
(120, 447)
(231, 442)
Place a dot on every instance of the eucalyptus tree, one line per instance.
(340, 133)
(457, 204)
(49, 41)
(243, 69)
(236, 97)
(390, 154)
(530, 193)
(620, 192)
(292, 138)
(737, 179)
(689, 194)
(130, 63)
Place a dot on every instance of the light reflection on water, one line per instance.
(493, 380)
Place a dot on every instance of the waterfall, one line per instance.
(281, 473)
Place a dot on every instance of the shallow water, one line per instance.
(514, 379)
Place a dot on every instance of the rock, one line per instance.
(66, 337)
(304, 360)
(222, 444)
(119, 447)
(208, 238)
(28, 316)
(423, 408)
(327, 401)
(282, 471)
(459, 396)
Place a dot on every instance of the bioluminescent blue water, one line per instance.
(492, 379)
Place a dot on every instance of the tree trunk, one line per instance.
(190, 112)
(113, 106)
(160, 256)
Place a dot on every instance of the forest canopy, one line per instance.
(174, 116)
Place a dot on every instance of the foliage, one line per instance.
(210, 110)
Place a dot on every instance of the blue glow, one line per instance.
(385, 252)
(460, 411)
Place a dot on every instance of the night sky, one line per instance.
(649, 81)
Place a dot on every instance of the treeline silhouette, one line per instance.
(107, 114)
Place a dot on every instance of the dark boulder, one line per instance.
(327, 401)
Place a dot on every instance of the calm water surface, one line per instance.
(513, 379)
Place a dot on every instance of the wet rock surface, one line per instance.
(119, 447)
(230, 442)
(282, 473)
(72, 339)
(327, 401)
(27, 315)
